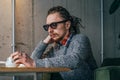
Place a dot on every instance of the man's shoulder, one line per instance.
(80, 36)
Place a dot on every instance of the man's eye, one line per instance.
(53, 25)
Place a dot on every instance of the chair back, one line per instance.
(107, 73)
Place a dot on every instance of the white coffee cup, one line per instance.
(10, 62)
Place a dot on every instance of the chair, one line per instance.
(109, 70)
(107, 73)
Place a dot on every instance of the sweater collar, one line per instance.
(64, 41)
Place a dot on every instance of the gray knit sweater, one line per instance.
(76, 54)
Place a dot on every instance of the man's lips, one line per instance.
(52, 35)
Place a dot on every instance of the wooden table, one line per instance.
(4, 71)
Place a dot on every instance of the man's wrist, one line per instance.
(45, 41)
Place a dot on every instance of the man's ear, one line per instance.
(68, 24)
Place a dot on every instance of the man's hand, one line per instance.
(48, 40)
(22, 58)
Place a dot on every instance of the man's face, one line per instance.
(61, 30)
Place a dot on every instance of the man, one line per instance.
(69, 49)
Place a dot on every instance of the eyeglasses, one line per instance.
(53, 25)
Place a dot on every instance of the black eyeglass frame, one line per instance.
(53, 25)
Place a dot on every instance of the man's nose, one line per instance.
(50, 29)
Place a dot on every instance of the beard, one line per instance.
(56, 37)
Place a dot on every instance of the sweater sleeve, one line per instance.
(38, 51)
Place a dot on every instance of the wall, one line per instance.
(24, 29)
(5, 32)
(111, 31)
(5, 29)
